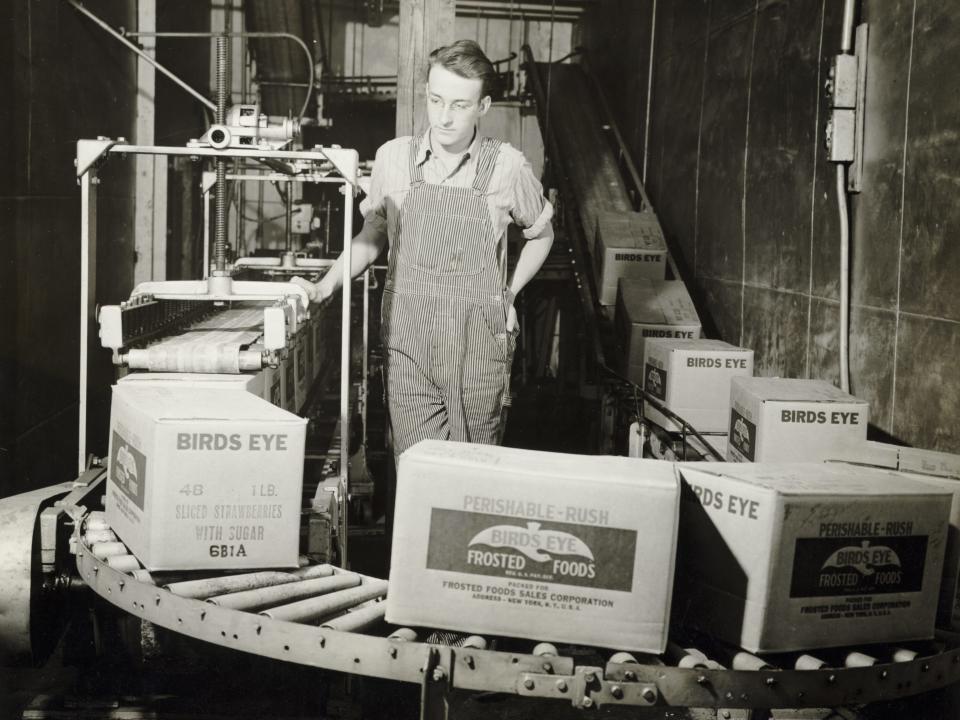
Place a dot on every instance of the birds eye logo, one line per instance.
(742, 433)
(503, 546)
(865, 559)
(844, 566)
(656, 382)
(534, 543)
(128, 469)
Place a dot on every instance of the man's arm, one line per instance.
(365, 248)
(532, 256)
(532, 212)
(368, 243)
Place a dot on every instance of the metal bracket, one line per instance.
(50, 516)
(587, 688)
(90, 151)
(436, 684)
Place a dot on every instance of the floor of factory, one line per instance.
(195, 680)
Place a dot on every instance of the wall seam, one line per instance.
(29, 94)
(696, 172)
(666, 104)
(813, 181)
(903, 192)
(746, 153)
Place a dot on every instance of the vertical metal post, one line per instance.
(364, 391)
(288, 218)
(150, 185)
(206, 233)
(88, 284)
(345, 360)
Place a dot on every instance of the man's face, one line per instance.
(453, 107)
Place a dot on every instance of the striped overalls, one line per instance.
(444, 314)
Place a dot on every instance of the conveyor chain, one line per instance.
(146, 319)
(681, 677)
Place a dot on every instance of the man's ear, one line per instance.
(485, 104)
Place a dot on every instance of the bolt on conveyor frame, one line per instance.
(328, 164)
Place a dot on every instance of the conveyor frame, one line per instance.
(332, 164)
(547, 676)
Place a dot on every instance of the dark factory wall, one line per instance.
(63, 81)
(738, 177)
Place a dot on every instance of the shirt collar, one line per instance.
(425, 151)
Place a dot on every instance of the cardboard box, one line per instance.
(941, 470)
(929, 462)
(651, 308)
(254, 383)
(692, 379)
(204, 478)
(628, 245)
(785, 420)
(787, 557)
(530, 544)
(869, 452)
(948, 603)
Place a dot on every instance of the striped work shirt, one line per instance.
(513, 195)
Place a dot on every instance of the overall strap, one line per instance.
(416, 170)
(489, 150)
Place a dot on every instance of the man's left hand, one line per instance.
(512, 321)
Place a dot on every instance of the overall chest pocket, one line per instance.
(447, 243)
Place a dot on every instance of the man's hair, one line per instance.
(466, 59)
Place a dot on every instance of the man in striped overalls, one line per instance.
(443, 199)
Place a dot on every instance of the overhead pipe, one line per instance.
(288, 36)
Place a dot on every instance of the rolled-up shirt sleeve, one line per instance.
(531, 210)
(373, 206)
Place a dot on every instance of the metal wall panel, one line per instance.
(765, 241)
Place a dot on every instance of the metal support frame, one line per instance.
(208, 182)
(88, 283)
(436, 684)
(441, 668)
(320, 160)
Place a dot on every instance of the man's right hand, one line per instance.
(317, 292)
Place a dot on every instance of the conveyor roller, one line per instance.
(342, 628)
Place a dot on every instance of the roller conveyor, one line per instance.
(325, 617)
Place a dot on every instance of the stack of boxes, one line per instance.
(691, 378)
(651, 309)
(580, 549)
(628, 245)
